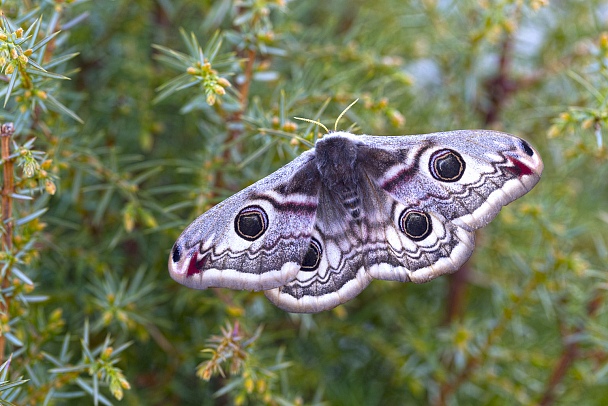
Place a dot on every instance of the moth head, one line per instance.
(336, 151)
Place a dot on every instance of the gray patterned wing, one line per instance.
(316, 232)
(447, 185)
(345, 253)
(334, 268)
(419, 200)
(256, 239)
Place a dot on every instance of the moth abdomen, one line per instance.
(351, 201)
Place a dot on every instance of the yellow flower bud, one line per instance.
(509, 26)
(28, 52)
(124, 383)
(29, 169)
(290, 126)
(128, 221)
(56, 315)
(14, 53)
(148, 218)
(116, 390)
(537, 4)
(108, 352)
(191, 70)
(223, 82)
(219, 90)
(23, 59)
(240, 399)
(588, 123)
(261, 386)
(267, 36)
(3, 36)
(50, 187)
(396, 118)
(19, 32)
(249, 384)
(9, 69)
(106, 317)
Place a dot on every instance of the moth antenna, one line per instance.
(320, 124)
(342, 114)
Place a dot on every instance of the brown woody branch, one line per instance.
(8, 188)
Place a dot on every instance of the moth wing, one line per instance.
(498, 168)
(444, 186)
(350, 254)
(256, 239)
(335, 267)
(435, 247)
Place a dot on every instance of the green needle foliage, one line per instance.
(130, 118)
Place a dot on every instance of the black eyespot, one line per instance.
(415, 224)
(177, 255)
(251, 223)
(312, 259)
(446, 165)
(527, 148)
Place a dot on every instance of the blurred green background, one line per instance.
(172, 106)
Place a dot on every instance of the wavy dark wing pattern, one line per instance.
(499, 168)
(338, 272)
(354, 252)
(460, 179)
(421, 198)
(315, 233)
(256, 239)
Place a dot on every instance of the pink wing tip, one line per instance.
(519, 168)
(194, 266)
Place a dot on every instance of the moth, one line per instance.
(316, 232)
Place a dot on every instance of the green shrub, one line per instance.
(130, 118)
